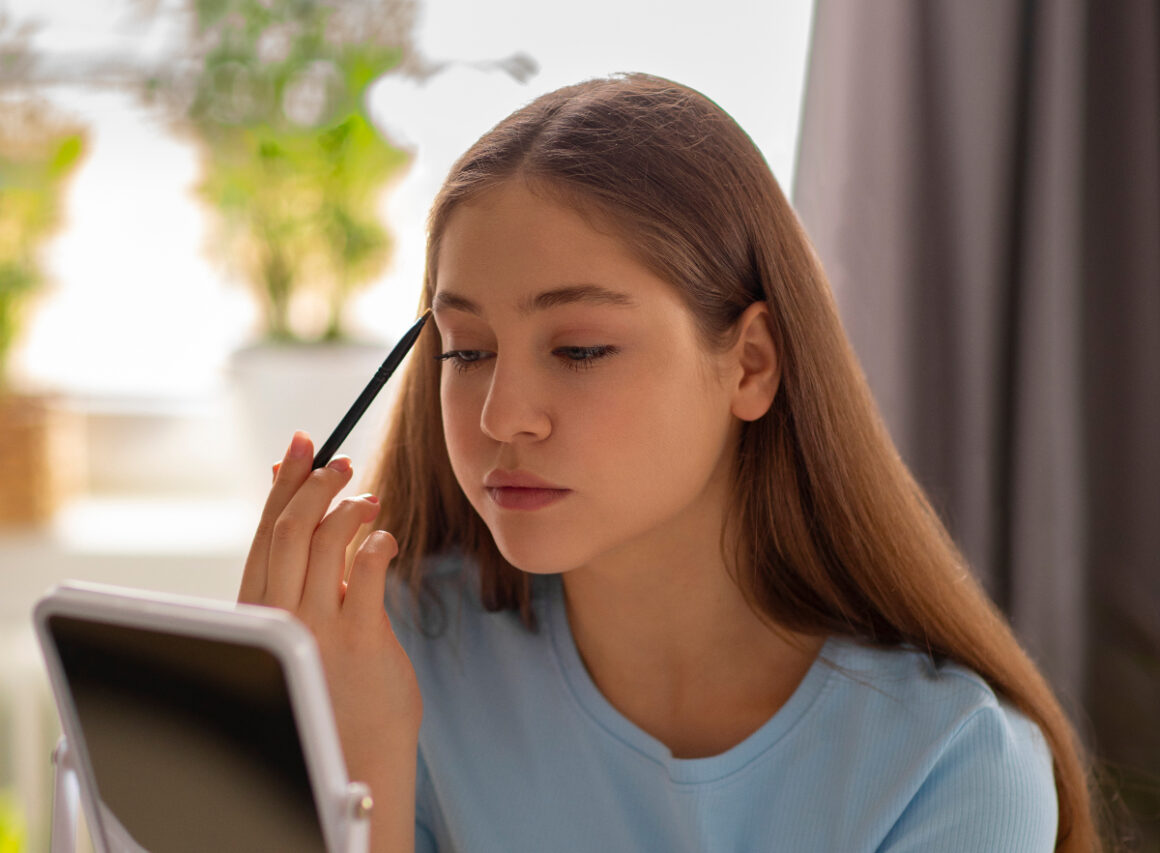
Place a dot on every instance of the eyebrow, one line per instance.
(590, 294)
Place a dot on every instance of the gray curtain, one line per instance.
(982, 182)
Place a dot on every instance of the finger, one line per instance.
(367, 584)
(322, 590)
(295, 527)
(294, 468)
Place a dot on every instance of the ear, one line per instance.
(755, 363)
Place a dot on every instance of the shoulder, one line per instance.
(967, 771)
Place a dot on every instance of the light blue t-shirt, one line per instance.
(877, 750)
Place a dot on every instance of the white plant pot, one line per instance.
(279, 388)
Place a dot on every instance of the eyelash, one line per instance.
(464, 360)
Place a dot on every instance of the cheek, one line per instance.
(656, 430)
(461, 412)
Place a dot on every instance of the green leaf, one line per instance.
(68, 153)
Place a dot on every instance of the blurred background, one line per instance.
(212, 221)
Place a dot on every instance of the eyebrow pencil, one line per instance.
(376, 384)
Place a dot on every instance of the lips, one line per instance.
(497, 479)
(520, 490)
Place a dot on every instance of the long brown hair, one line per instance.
(831, 532)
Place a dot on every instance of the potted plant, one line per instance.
(38, 152)
(293, 173)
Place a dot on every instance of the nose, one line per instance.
(513, 410)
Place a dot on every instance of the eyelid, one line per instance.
(457, 358)
(592, 355)
(460, 354)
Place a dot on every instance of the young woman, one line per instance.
(687, 597)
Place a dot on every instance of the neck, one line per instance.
(669, 639)
(666, 601)
(676, 625)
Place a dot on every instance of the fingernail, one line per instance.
(275, 468)
(298, 445)
(369, 498)
(341, 464)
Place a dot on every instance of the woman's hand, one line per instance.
(297, 562)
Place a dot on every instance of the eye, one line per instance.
(583, 358)
(463, 359)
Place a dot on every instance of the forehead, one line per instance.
(517, 241)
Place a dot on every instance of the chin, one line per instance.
(537, 557)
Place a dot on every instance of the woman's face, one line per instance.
(584, 421)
